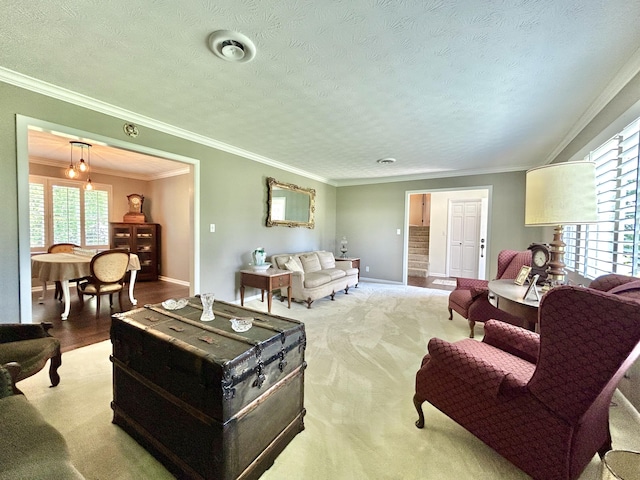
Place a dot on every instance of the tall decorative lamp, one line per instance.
(556, 195)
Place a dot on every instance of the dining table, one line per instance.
(62, 267)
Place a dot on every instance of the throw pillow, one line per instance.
(310, 262)
(292, 265)
(327, 260)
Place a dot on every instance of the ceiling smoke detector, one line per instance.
(386, 161)
(232, 46)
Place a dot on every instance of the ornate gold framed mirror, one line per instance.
(289, 205)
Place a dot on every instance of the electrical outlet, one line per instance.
(212, 228)
(366, 269)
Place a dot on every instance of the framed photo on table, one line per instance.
(532, 288)
(522, 275)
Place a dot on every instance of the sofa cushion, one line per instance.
(293, 265)
(316, 279)
(327, 260)
(310, 262)
(279, 261)
(334, 273)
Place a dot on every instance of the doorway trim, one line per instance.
(405, 252)
(22, 155)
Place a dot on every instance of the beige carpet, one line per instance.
(363, 351)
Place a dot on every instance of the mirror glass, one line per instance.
(289, 205)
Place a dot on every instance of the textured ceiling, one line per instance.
(445, 87)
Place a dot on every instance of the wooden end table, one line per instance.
(510, 298)
(355, 263)
(268, 280)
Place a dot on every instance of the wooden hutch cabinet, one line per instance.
(143, 239)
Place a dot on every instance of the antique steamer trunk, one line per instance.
(207, 401)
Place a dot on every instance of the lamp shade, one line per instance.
(561, 194)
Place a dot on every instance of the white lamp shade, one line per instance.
(561, 194)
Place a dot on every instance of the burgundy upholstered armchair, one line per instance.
(471, 295)
(616, 283)
(540, 400)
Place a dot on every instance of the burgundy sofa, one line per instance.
(471, 295)
(540, 400)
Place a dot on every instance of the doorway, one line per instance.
(463, 246)
(436, 205)
(22, 140)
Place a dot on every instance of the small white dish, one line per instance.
(261, 268)
(241, 324)
(173, 304)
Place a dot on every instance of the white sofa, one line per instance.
(316, 274)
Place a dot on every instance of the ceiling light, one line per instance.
(386, 161)
(74, 170)
(232, 46)
(130, 129)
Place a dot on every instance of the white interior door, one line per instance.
(464, 238)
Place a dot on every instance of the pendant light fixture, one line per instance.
(74, 171)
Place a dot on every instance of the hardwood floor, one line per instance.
(82, 328)
(427, 282)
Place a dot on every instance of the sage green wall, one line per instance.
(168, 203)
(233, 195)
(369, 216)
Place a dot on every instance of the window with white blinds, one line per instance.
(61, 211)
(612, 245)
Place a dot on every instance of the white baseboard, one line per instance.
(379, 280)
(174, 280)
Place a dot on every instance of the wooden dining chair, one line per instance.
(108, 270)
(62, 248)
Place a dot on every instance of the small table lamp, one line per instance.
(556, 195)
(343, 247)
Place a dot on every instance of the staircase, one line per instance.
(418, 252)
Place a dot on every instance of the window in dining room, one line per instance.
(62, 211)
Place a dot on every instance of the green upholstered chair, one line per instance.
(31, 346)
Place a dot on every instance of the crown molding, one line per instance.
(428, 176)
(50, 90)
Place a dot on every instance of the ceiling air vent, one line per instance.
(386, 161)
(232, 46)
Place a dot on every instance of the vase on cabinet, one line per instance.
(259, 256)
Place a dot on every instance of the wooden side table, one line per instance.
(269, 280)
(510, 298)
(355, 263)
